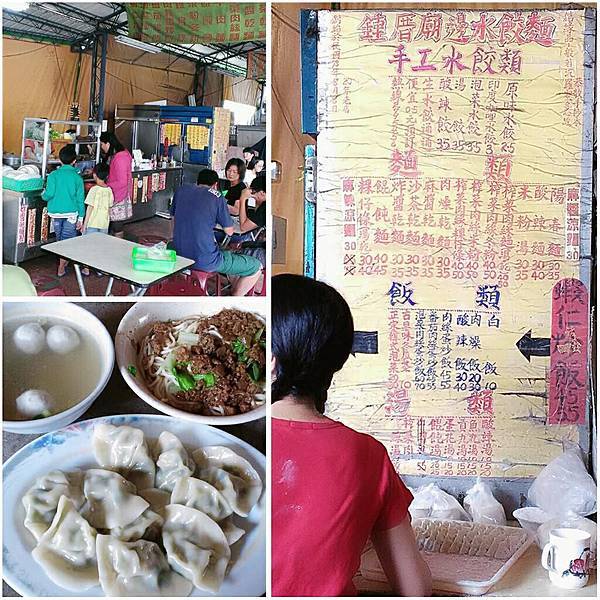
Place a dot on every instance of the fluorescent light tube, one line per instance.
(127, 41)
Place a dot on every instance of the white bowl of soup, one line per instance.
(210, 398)
(57, 359)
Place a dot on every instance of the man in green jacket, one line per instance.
(66, 199)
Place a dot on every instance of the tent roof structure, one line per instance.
(76, 23)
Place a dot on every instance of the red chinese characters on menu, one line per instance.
(567, 400)
(517, 28)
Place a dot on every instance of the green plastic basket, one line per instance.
(22, 185)
(141, 262)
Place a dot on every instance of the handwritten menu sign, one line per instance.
(197, 136)
(449, 209)
(220, 142)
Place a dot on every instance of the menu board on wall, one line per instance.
(449, 210)
(197, 137)
(220, 140)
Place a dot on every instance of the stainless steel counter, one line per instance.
(25, 225)
(144, 207)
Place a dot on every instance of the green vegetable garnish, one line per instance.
(185, 381)
(188, 381)
(209, 379)
(132, 370)
(43, 414)
(240, 349)
(254, 371)
(259, 334)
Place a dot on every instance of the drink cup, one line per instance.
(566, 557)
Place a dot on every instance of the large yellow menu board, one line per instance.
(220, 142)
(448, 215)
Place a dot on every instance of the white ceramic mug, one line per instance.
(566, 557)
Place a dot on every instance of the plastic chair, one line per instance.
(203, 278)
(263, 292)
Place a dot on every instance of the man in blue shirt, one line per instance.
(196, 210)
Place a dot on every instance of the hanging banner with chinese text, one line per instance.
(197, 22)
(449, 207)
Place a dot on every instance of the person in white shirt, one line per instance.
(255, 166)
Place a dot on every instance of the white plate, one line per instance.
(137, 322)
(70, 448)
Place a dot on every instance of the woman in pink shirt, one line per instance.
(119, 180)
(332, 487)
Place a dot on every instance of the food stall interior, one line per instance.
(161, 97)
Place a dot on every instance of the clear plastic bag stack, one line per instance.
(432, 502)
(564, 485)
(482, 506)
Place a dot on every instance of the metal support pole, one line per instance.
(98, 77)
(203, 85)
(197, 68)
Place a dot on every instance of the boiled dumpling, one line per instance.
(158, 499)
(30, 338)
(67, 551)
(232, 475)
(41, 500)
(196, 546)
(62, 339)
(136, 569)
(202, 496)
(111, 500)
(123, 449)
(147, 526)
(33, 404)
(172, 461)
(232, 532)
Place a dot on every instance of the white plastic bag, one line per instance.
(432, 502)
(482, 506)
(158, 251)
(569, 520)
(564, 485)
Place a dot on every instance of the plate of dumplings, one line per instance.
(135, 505)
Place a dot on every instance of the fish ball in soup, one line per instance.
(35, 403)
(30, 338)
(62, 339)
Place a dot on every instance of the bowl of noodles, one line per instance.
(202, 361)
